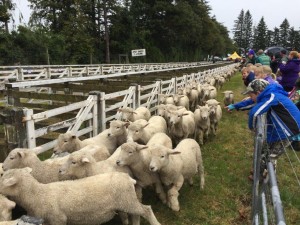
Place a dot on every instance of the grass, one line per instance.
(226, 198)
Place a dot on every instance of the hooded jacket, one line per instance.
(283, 117)
(289, 72)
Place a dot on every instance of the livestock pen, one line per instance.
(226, 198)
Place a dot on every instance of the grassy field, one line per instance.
(226, 198)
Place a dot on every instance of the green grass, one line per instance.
(226, 198)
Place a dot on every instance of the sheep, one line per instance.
(69, 142)
(174, 166)
(202, 123)
(192, 94)
(181, 100)
(6, 207)
(182, 125)
(129, 114)
(142, 133)
(209, 92)
(118, 129)
(165, 99)
(92, 200)
(228, 98)
(215, 114)
(80, 165)
(45, 171)
(138, 160)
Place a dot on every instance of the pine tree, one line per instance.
(260, 38)
(284, 31)
(6, 6)
(247, 35)
(276, 37)
(238, 29)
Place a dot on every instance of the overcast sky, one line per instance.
(226, 11)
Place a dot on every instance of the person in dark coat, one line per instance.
(290, 71)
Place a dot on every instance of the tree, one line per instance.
(284, 30)
(5, 16)
(238, 30)
(247, 35)
(260, 38)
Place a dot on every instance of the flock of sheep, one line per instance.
(96, 178)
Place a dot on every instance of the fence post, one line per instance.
(102, 112)
(137, 95)
(96, 113)
(9, 91)
(30, 129)
(14, 129)
(174, 80)
(20, 74)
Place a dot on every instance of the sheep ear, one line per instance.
(85, 160)
(141, 147)
(145, 125)
(173, 152)
(134, 113)
(9, 182)
(185, 114)
(10, 204)
(126, 124)
(21, 154)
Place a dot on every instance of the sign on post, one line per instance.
(138, 52)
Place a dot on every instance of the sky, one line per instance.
(227, 11)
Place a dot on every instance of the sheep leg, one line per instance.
(201, 171)
(144, 211)
(139, 192)
(160, 190)
(124, 218)
(173, 194)
(201, 137)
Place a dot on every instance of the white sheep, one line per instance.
(215, 114)
(69, 142)
(181, 125)
(130, 114)
(138, 160)
(93, 200)
(118, 129)
(45, 171)
(142, 133)
(165, 99)
(174, 166)
(181, 100)
(192, 94)
(202, 123)
(6, 207)
(228, 98)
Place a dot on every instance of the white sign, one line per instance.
(138, 52)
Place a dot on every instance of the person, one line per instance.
(281, 113)
(290, 71)
(263, 58)
(251, 57)
(247, 75)
(283, 57)
(264, 72)
(274, 63)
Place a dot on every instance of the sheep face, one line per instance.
(76, 165)
(129, 153)
(117, 128)
(175, 117)
(10, 181)
(204, 112)
(188, 90)
(127, 114)
(159, 157)
(161, 110)
(15, 159)
(136, 131)
(177, 98)
(6, 207)
(65, 143)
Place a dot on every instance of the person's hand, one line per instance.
(230, 108)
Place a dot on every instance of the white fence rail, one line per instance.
(40, 75)
(97, 112)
